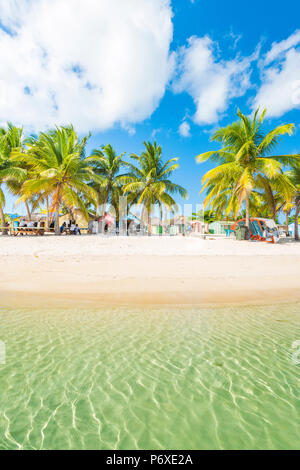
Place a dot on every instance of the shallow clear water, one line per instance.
(150, 379)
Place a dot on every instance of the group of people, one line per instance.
(26, 227)
(27, 224)
(71, 228)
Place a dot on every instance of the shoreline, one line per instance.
(88, 271)
(44, 300)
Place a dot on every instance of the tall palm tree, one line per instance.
(58, 158)
(108, 167)
(245, 162)
(149, 182)
(15, 141)
(10, 173)
(294, 174)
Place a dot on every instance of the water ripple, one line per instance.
(150, 379)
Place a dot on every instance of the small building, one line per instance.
(200, 227)
(220, 227)
(180, 225)
(282, 229)
(156, 223)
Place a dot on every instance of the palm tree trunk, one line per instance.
(48, 214)
(248, 209)
(297, 222)
(287, 232)
(57, 227)
(98, 210)
(101, 207)
(102, 203)
(2, 217)
(28, 211)
(149, 226)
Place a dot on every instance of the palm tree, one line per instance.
(15, 142)
(294, 174)
(107, 166)
(273, 200)
(245, 163)
(149, 183)
(10, 174)
(57, 159)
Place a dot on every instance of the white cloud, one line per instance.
(279, 47)
(212, 83)
(94, 63)
(280, 77)
(185, 129)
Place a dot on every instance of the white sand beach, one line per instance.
(146, 270)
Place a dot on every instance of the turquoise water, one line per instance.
(150, 379)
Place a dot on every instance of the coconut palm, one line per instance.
(245, 162)
(10, 173)
(15, 141)
(57, 159)
(294, 174)
(108, 167)
(149, 182)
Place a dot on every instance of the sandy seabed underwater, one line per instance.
(163, 378)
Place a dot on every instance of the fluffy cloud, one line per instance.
(280, 47)
(94, 63)
(212, 83)
(185, 129)
(280, 77)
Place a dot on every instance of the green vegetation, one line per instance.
(207, 216)
(53, 169)
(148, 182)
(248, 175)
(109, 168)
(10, 172)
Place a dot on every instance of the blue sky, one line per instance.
(194, 68)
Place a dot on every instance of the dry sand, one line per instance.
(91, 270)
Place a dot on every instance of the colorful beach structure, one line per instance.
(260, 229)
(222, 227)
